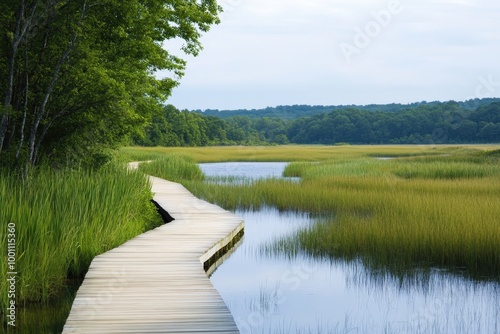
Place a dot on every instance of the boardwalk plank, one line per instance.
(155, 283)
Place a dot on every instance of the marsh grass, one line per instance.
(174, 168)
(288, 153)
(64, 219)
(405, 213)
(429, 207)
(443, 170)
(240, 180)
(128, 154)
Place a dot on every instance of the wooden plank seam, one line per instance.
(155, 283)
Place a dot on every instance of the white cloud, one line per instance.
(284, 52)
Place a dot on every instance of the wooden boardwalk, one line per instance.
(155, 283)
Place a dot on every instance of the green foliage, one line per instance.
(434, 123)
(298, 111)
(64, 219)
(174, 168)
(176, 128)
(83, 72)
(437, 124)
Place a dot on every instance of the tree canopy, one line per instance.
(78, 76)
(296, 111)
(436, 123)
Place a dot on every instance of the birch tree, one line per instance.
(77, 76)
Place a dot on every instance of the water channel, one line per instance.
(273, 293)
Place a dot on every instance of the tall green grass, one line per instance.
(129, 154)
(444, 170)
(285, 153)
(430, 206)
(401, 226)
(64, 219)
(173, 167)
(398, 214)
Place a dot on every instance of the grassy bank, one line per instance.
(173, 167)
(63, 219)
(282, 153)
(431, 206)
(431, 216)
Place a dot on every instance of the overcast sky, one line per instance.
(333, 52)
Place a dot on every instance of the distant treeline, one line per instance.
(297, 111)
(474, 121)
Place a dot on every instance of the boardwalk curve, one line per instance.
(155, 283)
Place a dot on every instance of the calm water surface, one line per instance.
(237, 172)
(269, 293)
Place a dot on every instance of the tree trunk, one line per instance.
(19, 34)
(25, 109)
(32, 144)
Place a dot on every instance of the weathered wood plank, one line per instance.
(155, 283)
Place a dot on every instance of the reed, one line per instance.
(64, 219)
(430, 206)
(286, 153)
(399, 228)
(437, 212)
(128, 154)
(173, 167)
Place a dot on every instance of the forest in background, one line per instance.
(296, 111)
(473, 121)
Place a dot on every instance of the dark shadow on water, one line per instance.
(224, 253)
(47, 318)
(50, 317)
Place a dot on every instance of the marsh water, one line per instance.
(269, 292)
(48, 318)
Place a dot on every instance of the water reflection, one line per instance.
(49, 317)
(275, 293)
(243, 172)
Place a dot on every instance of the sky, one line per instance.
(266, 53)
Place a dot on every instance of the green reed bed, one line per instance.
(128, 154)
(63, 219)
(173, 167)
(445, 170)
(439, 213)
(282, 153)
(405, 229)
(428, 207)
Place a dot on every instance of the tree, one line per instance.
(490, 133)
(77, 76)
(465, 131)
(343, 128)
(216, 130)
(487, 113)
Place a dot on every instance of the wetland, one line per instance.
(360, 244)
